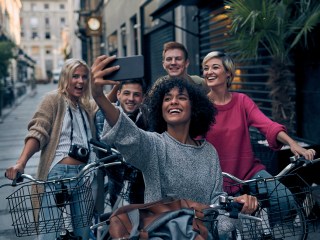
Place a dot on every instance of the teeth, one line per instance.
(175, 111)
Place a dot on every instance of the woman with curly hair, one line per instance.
(200, 108)
(171, 159)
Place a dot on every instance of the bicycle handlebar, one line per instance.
(103, 147)
(233, 209)
(110, 160)
(294, 165)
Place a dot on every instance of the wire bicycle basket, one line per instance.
(66, 204)
(286, 215)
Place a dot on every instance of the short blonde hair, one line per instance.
(227, 63)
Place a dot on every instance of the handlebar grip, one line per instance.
(236, 205)
(234, 209)
(100, 144)
(17, 179)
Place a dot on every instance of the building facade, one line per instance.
(16, 77)
(48, 34)
(143, 26)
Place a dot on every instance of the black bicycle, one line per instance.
(117, 189)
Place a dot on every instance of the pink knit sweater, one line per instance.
(230, 135)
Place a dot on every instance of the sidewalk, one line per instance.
(13, 130)
(7, 110)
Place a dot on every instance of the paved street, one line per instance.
(12, 132)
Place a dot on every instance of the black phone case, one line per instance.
(130, 68)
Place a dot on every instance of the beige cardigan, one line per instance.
(46, 125)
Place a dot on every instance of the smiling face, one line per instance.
(176, 107)
(175, 63)
(78, 83)
(214, 73)
(130, 97)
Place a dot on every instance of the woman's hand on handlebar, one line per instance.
(250, 203)
(308, 154)
(11, 172)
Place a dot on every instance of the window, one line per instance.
(62, 21)
(62, 6)
(47, 21)
(35, 50)
(113, 44)
(34, 35)
(34, 22)
(135, 27)
(33, 6)
(48, 50)
(46, 6)
(47, 35)
(124, 39)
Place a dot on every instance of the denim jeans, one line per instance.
(49, 211)
(280, 197)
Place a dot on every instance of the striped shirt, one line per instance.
(80, 136)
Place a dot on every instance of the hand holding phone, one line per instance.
(130, 68)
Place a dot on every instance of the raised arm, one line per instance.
(99, 69)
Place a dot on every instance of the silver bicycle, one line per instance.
(285, 203)
(67, 206)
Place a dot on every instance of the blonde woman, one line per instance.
(62, 124)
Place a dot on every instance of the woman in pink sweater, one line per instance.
(236, 113)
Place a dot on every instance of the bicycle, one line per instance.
(278, 221)
(69, 202)
(174, 218)
(114, 196)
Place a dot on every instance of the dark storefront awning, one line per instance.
(169, 5)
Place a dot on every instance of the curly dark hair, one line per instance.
(202, 110)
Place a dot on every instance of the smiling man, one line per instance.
(130, 96)
(175, 61)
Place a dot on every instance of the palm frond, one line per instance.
(305, 23)
(276, 25)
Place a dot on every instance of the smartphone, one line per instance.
(130, 68)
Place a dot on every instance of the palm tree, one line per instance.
(278, 27)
